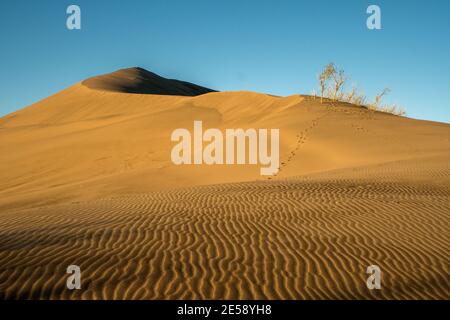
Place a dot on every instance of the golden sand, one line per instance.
(86, 178)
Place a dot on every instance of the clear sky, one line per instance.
(267, 46)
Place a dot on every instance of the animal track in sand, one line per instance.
(302, 138)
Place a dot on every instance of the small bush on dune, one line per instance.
(336, 92)
(394, 109)
(339, 79)
(354, 97)
(376, 104)
(324, 78)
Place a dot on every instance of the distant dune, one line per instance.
(87, 179)
(138, 80)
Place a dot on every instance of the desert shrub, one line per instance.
(336, 91)
(354, 97)
(324, 78)
(393, 109)
(376, 104)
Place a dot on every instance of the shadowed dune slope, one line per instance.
(138, 80)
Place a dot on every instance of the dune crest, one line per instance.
(138, 80)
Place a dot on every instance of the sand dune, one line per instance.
(87, 179)
(138, 80)
(289, 239)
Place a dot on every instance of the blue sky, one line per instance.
(273, 46)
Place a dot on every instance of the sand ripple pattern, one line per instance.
(293, 239)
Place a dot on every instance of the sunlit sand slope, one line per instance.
(300, 238)
(84, 143)
(86, 178)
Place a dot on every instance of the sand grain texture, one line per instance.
(87, 179)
